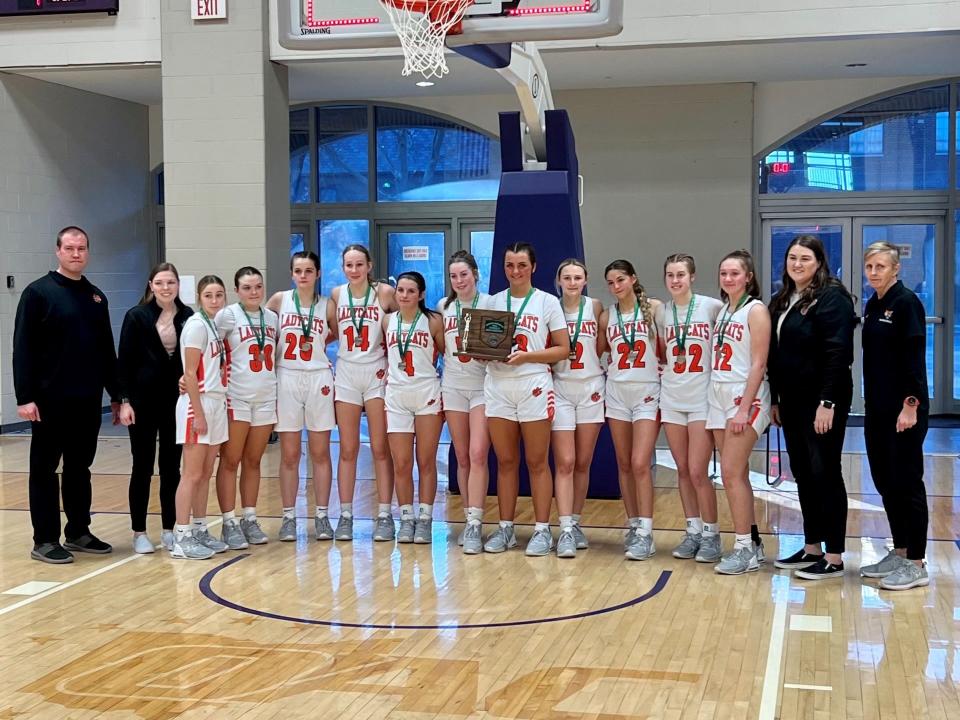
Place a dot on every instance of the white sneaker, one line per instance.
(142, 544)
(166, 539)
(189, 548)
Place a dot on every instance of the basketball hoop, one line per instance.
(423, 26)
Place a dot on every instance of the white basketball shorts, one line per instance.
(356, 383)
(528, 398)
(725, 402)
(578, 402)
(456, 400)
(255, 413)
(632, 401)
(305, 398)
(214, 412)
(404, 402)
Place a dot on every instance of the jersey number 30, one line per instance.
(261, 359)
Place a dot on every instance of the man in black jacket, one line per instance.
(63, 358)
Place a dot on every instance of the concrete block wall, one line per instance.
(70, 157)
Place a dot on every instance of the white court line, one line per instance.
(771, 677)
(821, 688)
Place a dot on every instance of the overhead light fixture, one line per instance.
(855, 65)
(424, 83)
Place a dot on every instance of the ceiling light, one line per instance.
(424, 83)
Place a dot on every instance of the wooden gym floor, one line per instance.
(365, 630)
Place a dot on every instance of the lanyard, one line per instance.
(633, 329)
(682, 339)
(576, 333)
(404, 346)
(353, 313)
(476, 299)
(523, 306)
(728, 316)
(308, 326)
(216, 337)
(260, 336)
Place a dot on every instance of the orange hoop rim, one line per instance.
(435, 10)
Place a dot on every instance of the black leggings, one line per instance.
(896, 464)
(154, 418)
(816, 465)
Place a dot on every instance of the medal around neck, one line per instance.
(487, 334)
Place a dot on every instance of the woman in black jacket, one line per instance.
(149, 368)
(811, 351)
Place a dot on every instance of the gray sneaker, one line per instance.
(710, 550)
(288, 529)
(472, 542)
(580, 538)
(323, 528)
(642, 548)
(462, 535)
(907, 575)
(190, 548)
(630, 538)
(166, 539)
(207, 540)
(885, 567)
(567, 544)
(253, 532)
(738, 562)
(541, 543)
(344, 528)
(759, 553)
(501, 540)
(408, 528)
(385, 529)
(688, 547)
(424, 532)
(233, 536)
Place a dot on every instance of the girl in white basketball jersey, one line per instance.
(359, 383)
(579, 384)
(687, 320)
(739, 400)
(307, 323)
(250, 334)
(633, 399)
(520, 399)
(414, 407)
(201, 417)
(463, 401)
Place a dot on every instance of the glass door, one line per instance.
(834, 233)
(423, 248)
(477, 237)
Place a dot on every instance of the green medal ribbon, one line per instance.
(353, 313)
(633, 329)
(576, 333)
(216, 335)
(476, 299)
(308, 326)
(401, 346)
(523, 306)
(682, 339)
(262, 335)
(727, 317)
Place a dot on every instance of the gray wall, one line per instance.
(70, 157)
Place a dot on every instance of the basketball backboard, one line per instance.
(357, 24)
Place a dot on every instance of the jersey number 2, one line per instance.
(640, 347)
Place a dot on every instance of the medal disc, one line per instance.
(402, 365)
(679, 367)
(306, 346)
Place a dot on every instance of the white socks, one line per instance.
(744, 541)
(710, 529)
(383, 509)
(249, 513)
(182, 531)
(645, 526)
(694, 526)
(545, 527)
(346, 510)
(566, 523)
(426, 511)
(322, 511)
(406, 512)
(289, 513)
(475, 516)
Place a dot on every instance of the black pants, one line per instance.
(816, 465)
(155, 417)
(896, 464)
(68, 429)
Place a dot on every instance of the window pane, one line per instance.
(422, 157)
(897, 143)
(917, 245)
(782, 236)
(300, 156)
(481, 247)
(296, 242)
(334, 236)
(342, 154)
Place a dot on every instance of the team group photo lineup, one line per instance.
(701, 358)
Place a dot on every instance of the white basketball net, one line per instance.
(423, 26)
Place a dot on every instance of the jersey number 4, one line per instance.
(294, 345)
(352, 343)
(261, 359)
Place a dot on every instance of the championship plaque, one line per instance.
(486, 334)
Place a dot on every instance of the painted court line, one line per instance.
(820, 688)
(33, 587)
(64, 586)
(811, 623)
(771, 677)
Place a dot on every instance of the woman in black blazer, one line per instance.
(149, 368)
(811, 352)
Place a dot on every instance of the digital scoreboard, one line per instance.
(57, 7)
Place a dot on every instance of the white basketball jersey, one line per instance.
(198, 334)
(361, 337)
(731, 354)
(296, 352)
(683, 385)
(541, 316)
(251, 373)
(584, 363)
(420, 356)
(636, 364)
(459, 372)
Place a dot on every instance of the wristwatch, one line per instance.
(827, 404)
(911, 401)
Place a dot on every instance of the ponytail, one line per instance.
(626, 267)
(746, 261)
(421, 284)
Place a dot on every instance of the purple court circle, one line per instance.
(206, 587)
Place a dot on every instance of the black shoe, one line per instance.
(52, 553)
(797, 561)
(820, 570)
(89, 543)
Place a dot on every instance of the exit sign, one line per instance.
(208, 9)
